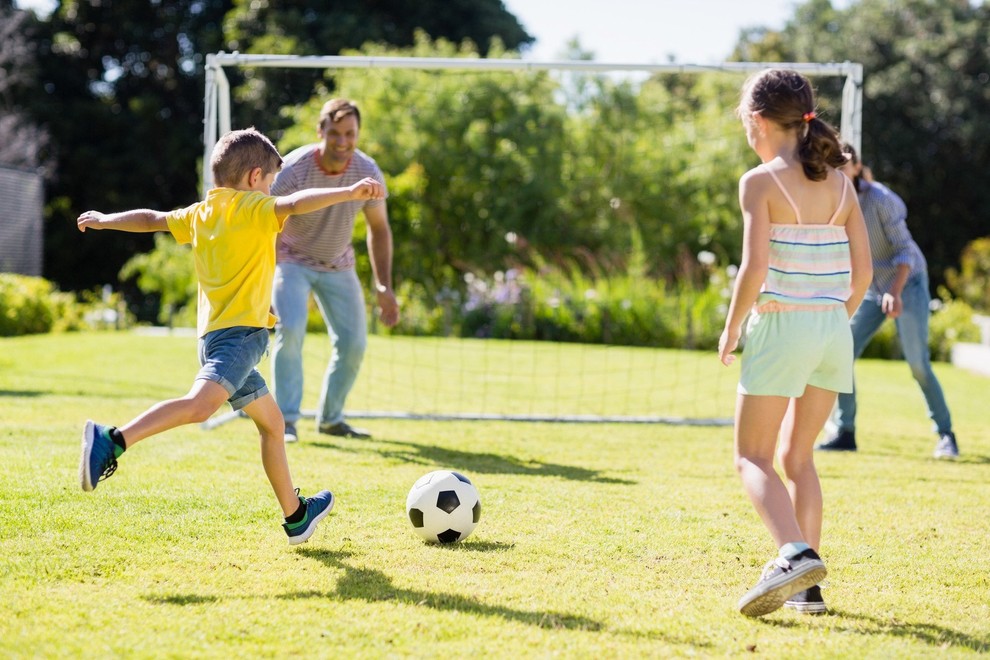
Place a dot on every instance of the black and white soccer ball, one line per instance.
(443, 506)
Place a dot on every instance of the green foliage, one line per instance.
(951, 323)
(971, 282)
(423, 314)
(493, 170)
(31, 305)
(307, 28)
(167, 271)
(23, 143)
(130, 76)
(622, 309)
(552, 304)
(25, 305)
(125, 70)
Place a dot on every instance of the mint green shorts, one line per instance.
(789, 350)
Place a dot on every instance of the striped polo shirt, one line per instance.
(809, 264)
(890, 241)
(322, 240)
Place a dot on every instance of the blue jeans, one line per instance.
(912, 330)
(229, 357)
(341, 302)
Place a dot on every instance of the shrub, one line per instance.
(952, 322)
(32, 305)
(169, 272)
(626, 310)
(25, 305)
(972, 282)
(556, 305)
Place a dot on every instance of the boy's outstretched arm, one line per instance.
(138, 220)
(314, 199)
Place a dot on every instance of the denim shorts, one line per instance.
(229, 356)
(787, 351)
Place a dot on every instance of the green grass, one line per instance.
(595, 540)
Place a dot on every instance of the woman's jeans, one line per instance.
(912, 330)
(341, 302)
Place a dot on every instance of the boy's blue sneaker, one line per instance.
(98, 459)
(317, 508)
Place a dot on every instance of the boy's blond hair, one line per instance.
(239, 152)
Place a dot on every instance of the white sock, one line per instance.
(789, 550)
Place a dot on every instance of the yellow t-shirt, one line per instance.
(233, 234)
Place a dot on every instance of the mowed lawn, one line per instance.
(596, 540)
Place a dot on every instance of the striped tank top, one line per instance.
(809, 264)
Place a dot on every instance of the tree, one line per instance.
(166, 271)
(476, 155)
(971, 282)
(120, 90)
(926, 108)
(307, 27)
(491, 169)
(22, 140)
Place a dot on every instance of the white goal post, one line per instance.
(217, 100)
(512, 380)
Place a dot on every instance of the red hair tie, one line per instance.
(808, 116)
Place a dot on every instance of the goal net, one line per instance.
(564, 231)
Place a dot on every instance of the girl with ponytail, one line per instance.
(805, 268)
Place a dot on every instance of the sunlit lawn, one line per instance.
(596, 540)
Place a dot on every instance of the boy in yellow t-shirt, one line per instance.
(233, 234)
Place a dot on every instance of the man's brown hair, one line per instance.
(336, 109)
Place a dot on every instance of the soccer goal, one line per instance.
(649, 151)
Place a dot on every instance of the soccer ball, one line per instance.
(443, 506)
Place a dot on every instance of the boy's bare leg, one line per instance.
(203, 399)
(268, 418)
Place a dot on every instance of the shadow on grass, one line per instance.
(108, 389)
(963, 459)
(472, 545)
(180, 599)
(967, 459)
(928, 633)
(481, 463)
(21, 393)
(924, 457)
(374, 586)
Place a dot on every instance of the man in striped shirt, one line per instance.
(315, 254)
(899, 291)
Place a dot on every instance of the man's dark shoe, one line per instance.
(290, 432)
(841, 441)
(946, 446)
(344, 430)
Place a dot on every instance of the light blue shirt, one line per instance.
(891, 243)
